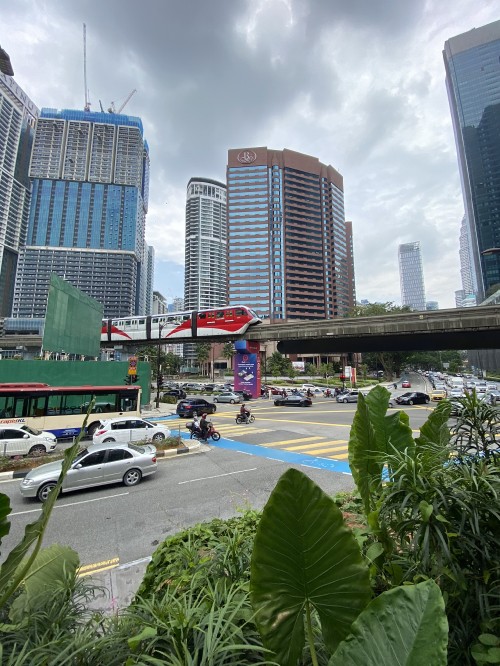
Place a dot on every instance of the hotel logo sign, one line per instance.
(246, 157)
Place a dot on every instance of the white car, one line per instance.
(130, 429)
(22, 440)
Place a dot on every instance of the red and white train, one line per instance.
(179, 326)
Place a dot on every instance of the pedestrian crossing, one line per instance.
(314, 445)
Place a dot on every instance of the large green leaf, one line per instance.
(53, 567)
(406, 626)
(436, 429)
(5, 509)
(304, 556)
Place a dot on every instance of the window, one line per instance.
(220, 314)
(114, 455)
(96, 458)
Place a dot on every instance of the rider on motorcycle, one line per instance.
(244, 412)
(204, 426)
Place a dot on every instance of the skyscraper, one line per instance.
(290, 253)
(17, 123)
(205, 278)
(411, 276)
(88, 209)
(469, 287)
(473, 82)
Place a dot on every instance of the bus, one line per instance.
(61, 409)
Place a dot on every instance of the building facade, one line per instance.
(205, 277)
(290, 252)
(90, 175)
(473, 83)
(18, 116)
(411, 276)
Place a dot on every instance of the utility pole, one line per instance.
(158, 366)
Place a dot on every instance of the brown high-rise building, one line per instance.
(289, 248)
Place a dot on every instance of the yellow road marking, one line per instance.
(315, 445)
(298, 439)
(340, 456)
(97, 567)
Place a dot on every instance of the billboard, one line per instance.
(247, 367)
(73, 320)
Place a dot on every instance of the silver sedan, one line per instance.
(227, 396)
(97, 465)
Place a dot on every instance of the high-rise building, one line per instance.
(17, 124)
(290, 252)
(473, 82)
(205, 278)
(411, 276)
(90, 174)
(469, 284)
(432, 305)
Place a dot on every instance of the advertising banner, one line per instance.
(247, 367)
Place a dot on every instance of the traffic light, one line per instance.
(135, 378)
(128, 379)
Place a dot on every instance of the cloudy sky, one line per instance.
(357, 83)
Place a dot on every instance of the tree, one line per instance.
(202, 353)
(228, 352)
(278, 365)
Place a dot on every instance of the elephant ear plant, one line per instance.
(306, 560)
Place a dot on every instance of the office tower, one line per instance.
(205, 278)
(17, 122)
(411, 276)
(473, 82)
(159, 303)
(289, 249)
(432, 305)
(177, 304)
(350, 265)
(90, 174)
(469, 287)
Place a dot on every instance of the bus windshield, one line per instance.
(62, 409)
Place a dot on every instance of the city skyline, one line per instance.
(293, 74)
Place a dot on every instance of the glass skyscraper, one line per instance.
(290, 251)
(472, 62)
(411, 276)
(17, 126)
(90, 174)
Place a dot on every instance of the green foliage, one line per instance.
(202, 352)
(279, 365)
(477, 426)
(304, 558)
(405, 626)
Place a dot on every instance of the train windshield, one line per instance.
(254, 314)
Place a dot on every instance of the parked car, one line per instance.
(413, 398)
(406, 384)
(227, 396)
(350, 396)
(244, 395)
(97, 465)
(129, 429)
(175, 393)
(191, 406)
(22, 440)
(438, 394)
(297, 400)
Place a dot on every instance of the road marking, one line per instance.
(98, 567)
(281, 442)
(237, 429)
(217, 476)
(313, 447)
(63, 506)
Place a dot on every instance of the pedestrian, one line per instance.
(283, 393)
(395, 385)
(269, 394)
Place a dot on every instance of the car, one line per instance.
(350, 396)
(96, 465)
(244, 395)
(296, 400)
(413, 398)
(405, 384)
(23, 440)
(491, 387)
(175, 393)
(493, 397)
(455, 393)
(190, 406)
(129, 429)
(227, 396)
(438, 394)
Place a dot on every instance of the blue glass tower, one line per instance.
(472, 62)
(90, 174)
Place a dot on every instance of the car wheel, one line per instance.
(159, 437)
(91, 429)
(108, 439)
(277, 403)
(37, 450)
(410, 402)
(132, 477)
(215, 400)
(231, 402)
(427, 401)
(345, 400)
(214, 409)
(45, 490)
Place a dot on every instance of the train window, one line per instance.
(202, 315)
(142, 322)
(154, 321)
(240, 312)
(186, 317)
(229, 314)
(211, 315)
(219, 314)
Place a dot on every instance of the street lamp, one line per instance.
(158, 366)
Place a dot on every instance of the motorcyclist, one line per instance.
(244, 412)
(204, 426)
(328, 393)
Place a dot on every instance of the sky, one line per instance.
(359, 84)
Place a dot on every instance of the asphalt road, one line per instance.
(125, 524)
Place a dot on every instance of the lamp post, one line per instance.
(158, 365)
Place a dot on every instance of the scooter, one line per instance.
(250, 418)
(196, 432)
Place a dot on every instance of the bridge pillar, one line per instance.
(247, 366)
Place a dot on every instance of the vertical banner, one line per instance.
(247, 367)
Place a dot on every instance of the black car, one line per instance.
(413, 398)
(244, 394)
(175, 393)
(293, 401)
(189, 407)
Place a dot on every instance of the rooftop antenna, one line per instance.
(87, 102)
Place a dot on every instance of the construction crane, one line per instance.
(87, 101)
(112, 108)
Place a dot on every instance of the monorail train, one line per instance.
(227, 320)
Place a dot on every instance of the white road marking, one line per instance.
(217, 476)
(63, 506)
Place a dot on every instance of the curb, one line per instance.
(191, 447)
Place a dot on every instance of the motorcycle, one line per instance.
(195, 432)
(250, 418)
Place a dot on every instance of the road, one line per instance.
(125, 524)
